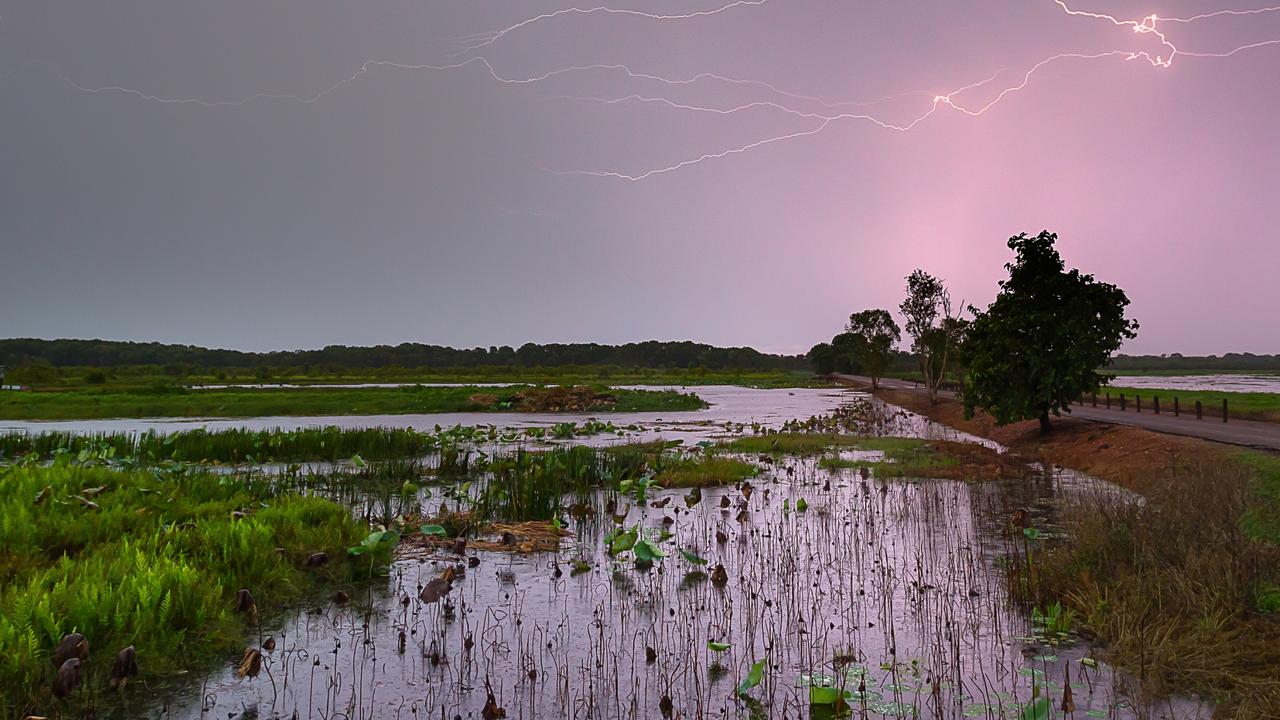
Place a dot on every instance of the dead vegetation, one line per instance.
(1170, 582)
(579, 398)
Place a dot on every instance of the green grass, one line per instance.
(818, 443)
(1262, 514)
(705, 471)
(154, 562)
(1246, 406)
(903, 457)
(169, 401)
(237, 445)
(791, 443)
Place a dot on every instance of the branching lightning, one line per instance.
(777, 99)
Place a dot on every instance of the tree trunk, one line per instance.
(1045, 427)
(875, 383)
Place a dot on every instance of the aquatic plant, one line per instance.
(152, 561)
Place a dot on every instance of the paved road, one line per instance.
(1236, 432)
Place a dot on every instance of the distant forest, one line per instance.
(21, 352)
(1230, 362)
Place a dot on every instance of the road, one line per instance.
(1249, 433)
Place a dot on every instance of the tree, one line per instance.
(846, 349)
(931, 338)
(1038, 347)
(877, 333)
(823, 359)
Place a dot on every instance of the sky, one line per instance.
(472, 172)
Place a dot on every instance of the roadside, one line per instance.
(1183, 588)
(1248, 433)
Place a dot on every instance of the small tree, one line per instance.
(927, 311)
(846, 350)
(877, 333)
(1038, 347)
(822, 358)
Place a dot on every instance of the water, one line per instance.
(1199, 383)
(731, 406)
(890, 586)
(892, 589)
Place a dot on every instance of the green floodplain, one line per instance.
(177, 401)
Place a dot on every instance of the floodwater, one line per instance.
(894, 592)
(731, 406)
(1201, 383)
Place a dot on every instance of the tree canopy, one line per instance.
(1037, 348)
(656, 354)
(876, 333)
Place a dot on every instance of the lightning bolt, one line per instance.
(780, 100)
(496, 35)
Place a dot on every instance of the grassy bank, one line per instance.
(129, 377)
(171, 401)
(150, 559)
(1179, 584)
(1245, 406)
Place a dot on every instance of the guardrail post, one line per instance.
(1224, 409)
(1176, 411)
(1199, 411)
(1122, 402)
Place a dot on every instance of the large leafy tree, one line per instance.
(1038, 347)
(876, 334)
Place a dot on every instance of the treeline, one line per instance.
(22, 352)
(1175, 362)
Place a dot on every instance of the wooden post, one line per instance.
(1137, 402)
(1199, 411)
(1224, 409)
(1122, 402)
(1108, 401)
(1095, 399)
(1176, 411)
(1155, 404)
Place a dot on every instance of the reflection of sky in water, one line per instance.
(770, 408)
(900, 576)
(1220, 383)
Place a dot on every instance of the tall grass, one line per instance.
(234, 445)
(1173, 584)
(173, 401)
(147, 558)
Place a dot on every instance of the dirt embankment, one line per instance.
(1175, 588)
(1127, 456)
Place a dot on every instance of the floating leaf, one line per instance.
(437, 530)
(648, 551)
(752, 679)
(355, 460)
(622, 541)
(1038, 710)
(718, 646)
(693, 558)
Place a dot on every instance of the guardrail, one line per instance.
(1155, 405)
